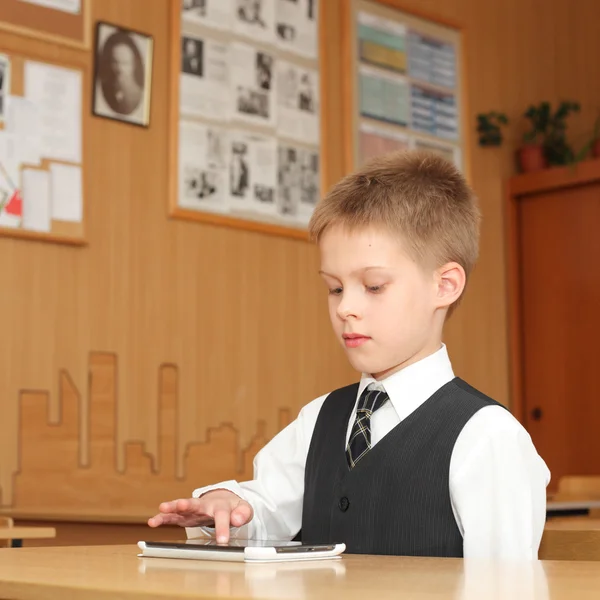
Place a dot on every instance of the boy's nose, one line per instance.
(346, 311)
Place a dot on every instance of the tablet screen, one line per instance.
(238, 545)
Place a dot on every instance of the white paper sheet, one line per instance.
(56, 91)
(22, 120)
(253, 173)
(204, 82)
(70, 6)
(66, 193)
(255, 19)
(252, 85)
(297, 102)
(203, 164)
(36, 200)
(296, 26)
(210, 13)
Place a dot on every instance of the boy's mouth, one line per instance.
(354, 340)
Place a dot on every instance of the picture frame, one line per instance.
(416, 58)
(63, 22)
(122, 83)
(274, 116)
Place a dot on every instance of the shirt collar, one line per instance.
(413, 385)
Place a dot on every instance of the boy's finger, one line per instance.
(183, 505)
(155, 521)
(168, 507)
(222, 521)
(241, 514)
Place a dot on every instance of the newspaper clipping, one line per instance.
(204, 82)
(210, 13)
(298, 182)
(203, 165)
(296, 26)
(298, 102)
(253, 173)
(252, 84)
(255, 19)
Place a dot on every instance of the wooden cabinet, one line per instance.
(553, 225)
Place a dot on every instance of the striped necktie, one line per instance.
(360, 436)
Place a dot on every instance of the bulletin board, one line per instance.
(276, 190)
(405, 87)
(28, 163)
(44, 22)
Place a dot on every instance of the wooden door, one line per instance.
(559, 256)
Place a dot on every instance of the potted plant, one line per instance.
(556, 148)
(592, 146)
(488, 128)
(531, 154)
(546, 143)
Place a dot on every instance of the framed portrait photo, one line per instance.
(122, 74)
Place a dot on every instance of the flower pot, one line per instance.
(596, 149)
(531, 158)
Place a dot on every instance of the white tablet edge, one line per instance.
(250, 554)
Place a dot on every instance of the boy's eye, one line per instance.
(335, 291)
(374, 289)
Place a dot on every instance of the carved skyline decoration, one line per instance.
(68, 464)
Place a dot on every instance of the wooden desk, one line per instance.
(573, 524)
(103, 572)
(562, 503)
(26, 533)
(18, 534)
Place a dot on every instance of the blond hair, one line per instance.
(419, 196)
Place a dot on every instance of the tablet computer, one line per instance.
(240, 550)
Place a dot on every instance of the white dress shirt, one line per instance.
(497, 479)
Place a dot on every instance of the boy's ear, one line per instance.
(451, 280)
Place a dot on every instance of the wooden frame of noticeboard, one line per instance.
(61, 232)
(238, 221)
(376, 52)
(48, 24)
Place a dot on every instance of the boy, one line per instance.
(412, 460)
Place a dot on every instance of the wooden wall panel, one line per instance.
(163, 354)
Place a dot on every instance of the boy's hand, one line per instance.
(219, 508)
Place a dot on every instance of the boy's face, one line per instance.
(386, 310)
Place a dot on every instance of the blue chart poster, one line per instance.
(434, 112)
(432, 61)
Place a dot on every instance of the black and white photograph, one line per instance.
(288, 180)
(122, 74)
(252, 173)
(199, 184)
(253, 85)
(251, 12)
(4, 84)
(296, 26)
(264, 194)
(239, 170)
(255, 19)
(194, 7)
(209, 13)
(264, 70)
(252, 102)
(309, 179)
(192, 55)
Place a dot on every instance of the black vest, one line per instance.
(397, 499)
